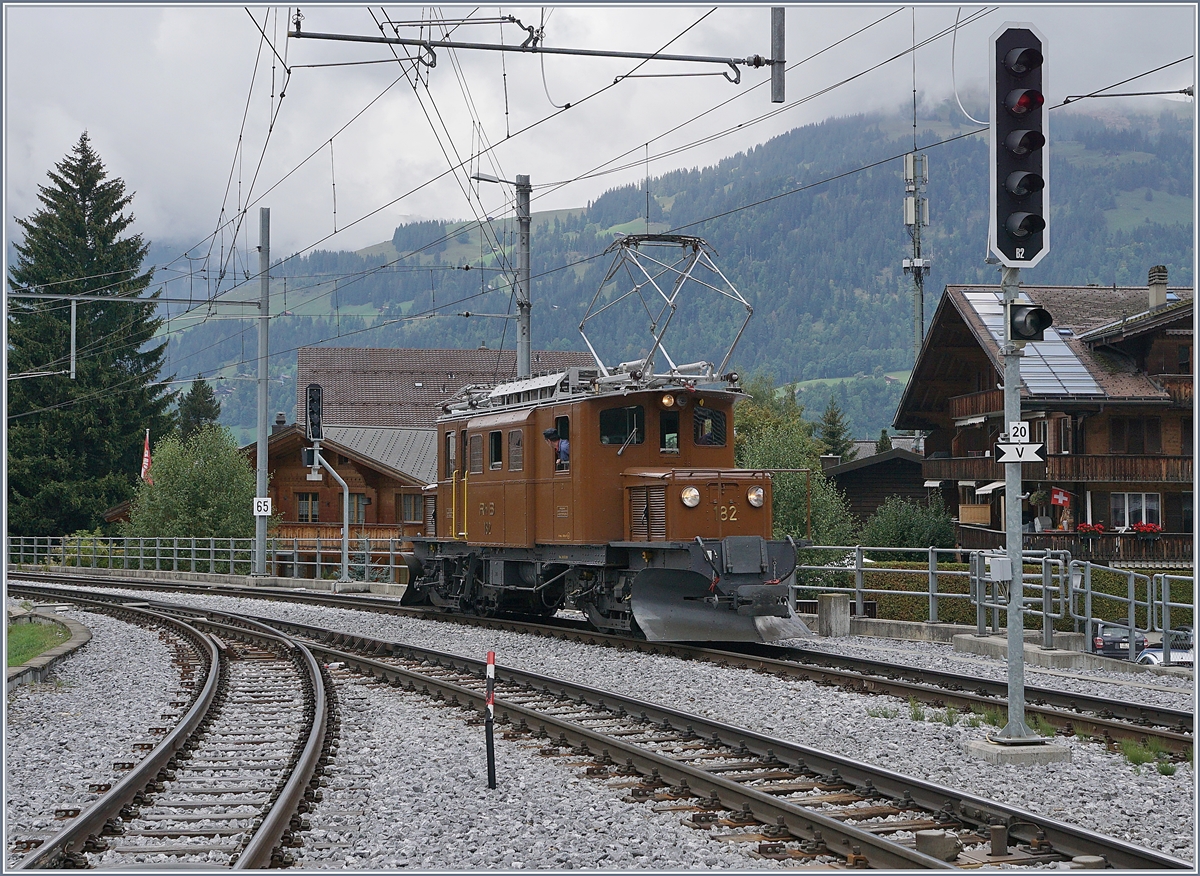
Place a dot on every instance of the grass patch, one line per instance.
(916, 710)
(949, 717)
(1135, 752)
(26, 641)
(1166, 768)
(994, 717)
(1041, 726)
(882, 712)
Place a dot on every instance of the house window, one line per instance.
(411, 508)
(1187, 512)
(475, 450)
(495, 449)
(1185, 436)
(450, 442)
(516, 450)
(358, 508)
(1185, 359)
(708, 427)
(1041, 430)
(623, 425)
(1065, 435)
(668, 431)
(306, 507)
(1135, 435)
(343, 460)
(1130, 508)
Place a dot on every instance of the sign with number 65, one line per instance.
(262, 507)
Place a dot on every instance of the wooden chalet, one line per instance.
(1109, 392)
(871, 480)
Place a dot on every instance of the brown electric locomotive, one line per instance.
(609, 491)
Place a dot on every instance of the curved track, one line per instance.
(793, 802)
(1103, 718)
(232, 775)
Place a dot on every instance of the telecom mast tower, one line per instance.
(916, 214)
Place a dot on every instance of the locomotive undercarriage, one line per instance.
(732, 589)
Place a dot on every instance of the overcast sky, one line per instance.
(163, 91)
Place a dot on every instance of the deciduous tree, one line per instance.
(75, 446)
(203, 486)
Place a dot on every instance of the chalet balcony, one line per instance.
(977, 404)
(1164, 550)
(331, 533)
(1178, 386)
(1074, 468)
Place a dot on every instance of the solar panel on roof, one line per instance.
(1048, 367)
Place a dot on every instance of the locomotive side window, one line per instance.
(475, 446)
(668, 431)
(708, 427)
(516, 450)
(450, 454)
(495, 449)
(623, 426)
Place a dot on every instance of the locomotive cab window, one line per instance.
(708, 427)
(623, 426)
(450, 454)
(668, 431)
(475, 448)
(516, 451)
(495, 449)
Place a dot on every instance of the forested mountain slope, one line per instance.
(818, 254)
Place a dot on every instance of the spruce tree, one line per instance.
(199, 407)
(884, 444)
(75, 446)
(834, 433)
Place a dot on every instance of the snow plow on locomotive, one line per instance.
(612, 491)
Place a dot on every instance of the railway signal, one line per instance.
(1019, 219)
(313, 408)
(1028, 322)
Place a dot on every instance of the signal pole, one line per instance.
(916, 214)
(264, 322)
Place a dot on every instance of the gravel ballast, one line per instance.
(65, 734)
(1097, 790)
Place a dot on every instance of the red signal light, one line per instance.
(1022, 100)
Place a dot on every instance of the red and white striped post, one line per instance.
(491, 714)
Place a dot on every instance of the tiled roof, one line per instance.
(405, 387)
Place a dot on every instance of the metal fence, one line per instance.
(1058, 589)
(369, 559)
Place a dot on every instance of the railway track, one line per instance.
(1104, 718)
(785, 801)
(237, 761)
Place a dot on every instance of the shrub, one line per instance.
(903, 523)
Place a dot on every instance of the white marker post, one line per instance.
(491, 714)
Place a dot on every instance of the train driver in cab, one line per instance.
(561, 448)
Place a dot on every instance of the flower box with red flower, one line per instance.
(1147, 531)
(1090, 530)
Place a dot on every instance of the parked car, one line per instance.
(1153, 656)
(1182, 637)
(1110, 640)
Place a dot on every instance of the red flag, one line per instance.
(1059, 497)
(146, 461)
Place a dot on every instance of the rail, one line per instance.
(949, 585)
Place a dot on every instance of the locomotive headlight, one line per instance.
(668, 400)
(754, 496)
(690, 496)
